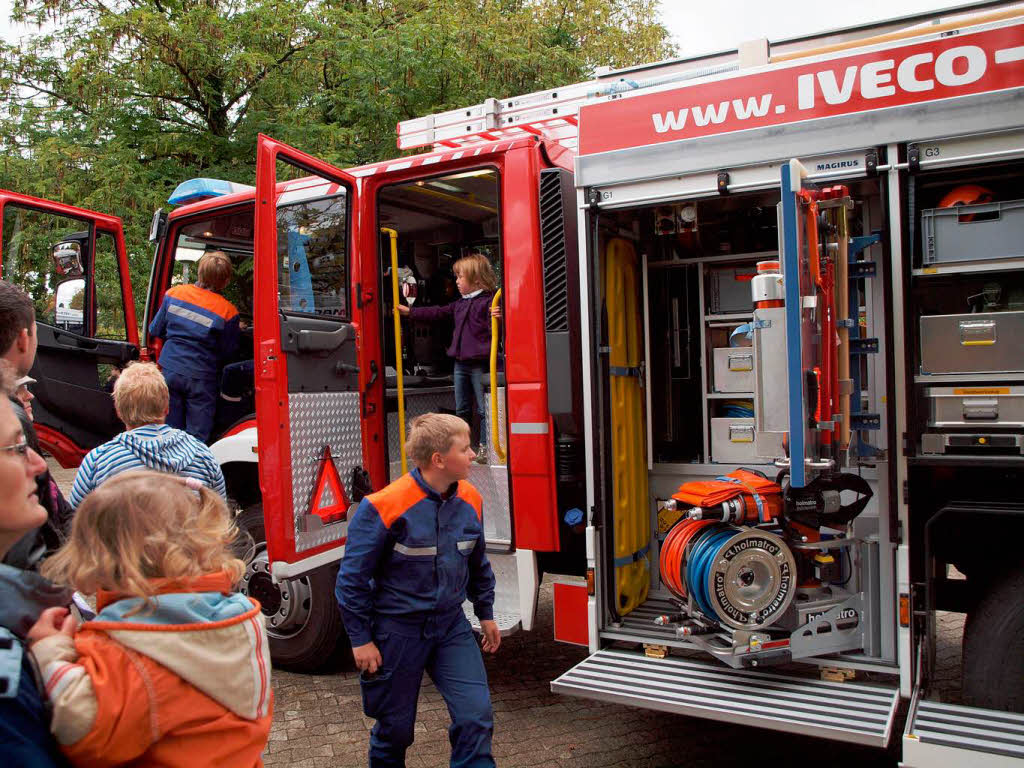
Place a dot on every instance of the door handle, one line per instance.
(67, 340)
(320, 341)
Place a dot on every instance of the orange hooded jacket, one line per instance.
(185, 682)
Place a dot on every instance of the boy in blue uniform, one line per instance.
(200, 332)
(415, 551)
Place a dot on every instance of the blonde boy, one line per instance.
(415, 551)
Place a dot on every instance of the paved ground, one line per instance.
(318, 719)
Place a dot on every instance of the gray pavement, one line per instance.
(318, 719)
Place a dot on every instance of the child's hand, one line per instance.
(53, 621)
(496, 312)
(403, 309)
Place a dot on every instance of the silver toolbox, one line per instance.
(967, 406)
(973, 232)
(983, 342)
(734, 369)
(732, 441)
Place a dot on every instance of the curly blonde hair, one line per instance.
(140, 526)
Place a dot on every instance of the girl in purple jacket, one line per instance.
(471, 340)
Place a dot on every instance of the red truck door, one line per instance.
(306, 357)
(73, 264)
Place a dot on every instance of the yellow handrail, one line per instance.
(398, 342)
(495, 441)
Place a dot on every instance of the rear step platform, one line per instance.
(950, 734)
(853, 712)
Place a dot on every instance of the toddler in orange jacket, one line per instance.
(174, 670)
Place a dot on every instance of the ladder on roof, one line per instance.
(551, 114)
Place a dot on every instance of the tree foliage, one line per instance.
(109, 104)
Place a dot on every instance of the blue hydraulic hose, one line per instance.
(699, 566)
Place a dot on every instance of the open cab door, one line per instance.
(73, 264)
(307, 396)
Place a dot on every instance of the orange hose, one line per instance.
(673, 554)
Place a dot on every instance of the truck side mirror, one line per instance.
(67, 259)
(69, 306)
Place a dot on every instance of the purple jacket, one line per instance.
(472, 337)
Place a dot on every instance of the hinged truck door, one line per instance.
(307, 352)
(72, 263)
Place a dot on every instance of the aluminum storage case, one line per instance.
(973, 232)
(983, 342)
(732, 441)
(734, 369)
(967, 406)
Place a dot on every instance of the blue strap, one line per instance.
(746, 328)
(621, 562)
(757, 497)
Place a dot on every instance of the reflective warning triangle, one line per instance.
(330, 502)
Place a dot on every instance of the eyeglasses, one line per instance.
(21, 448)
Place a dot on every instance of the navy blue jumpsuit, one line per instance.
(411, 559)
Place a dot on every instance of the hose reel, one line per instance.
(744, 578)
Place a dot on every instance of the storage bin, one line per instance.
(983, 342)
(734, 369)
(973, 232)
(732, 441)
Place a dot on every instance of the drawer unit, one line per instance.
(983, 342)
(973, 232)
(732, 441)
(967, 406)
(734, 369)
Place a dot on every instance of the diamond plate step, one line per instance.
(952, 734)
(507, 605)
(854, 712)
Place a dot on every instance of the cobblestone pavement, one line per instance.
(318, 719)
(318, 722)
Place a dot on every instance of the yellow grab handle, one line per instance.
(398, 342)
(495, 441)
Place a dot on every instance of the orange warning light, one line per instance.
(904, 610)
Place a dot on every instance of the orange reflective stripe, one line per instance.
(208, 300)
(394, 501)
(469, 494)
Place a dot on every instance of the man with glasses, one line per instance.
(18, 352)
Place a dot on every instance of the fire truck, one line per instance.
(756, 393)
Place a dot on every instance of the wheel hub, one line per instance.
(284, 603)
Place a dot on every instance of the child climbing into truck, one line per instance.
(471, 340)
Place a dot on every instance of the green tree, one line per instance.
(112, 103)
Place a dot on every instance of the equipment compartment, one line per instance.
(977, 232)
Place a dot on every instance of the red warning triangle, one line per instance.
(330, 503)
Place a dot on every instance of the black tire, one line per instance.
(994, 647)
(311, 634)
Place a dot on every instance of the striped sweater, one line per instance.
(153, 446)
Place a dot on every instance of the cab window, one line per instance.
(312, 257)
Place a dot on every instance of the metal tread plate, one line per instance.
(853, 712)
(639, 623)
(968, 730)
(508, 623)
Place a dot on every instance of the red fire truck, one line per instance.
(309, 419)
(767, 403)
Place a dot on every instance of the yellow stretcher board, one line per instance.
(631, 519)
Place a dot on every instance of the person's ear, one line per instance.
(23, 339)
(437, 460)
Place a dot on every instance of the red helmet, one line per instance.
(966, 194)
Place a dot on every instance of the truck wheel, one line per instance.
(303, 622)
(994, 647)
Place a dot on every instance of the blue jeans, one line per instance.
(444, 647)
(469, 387)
